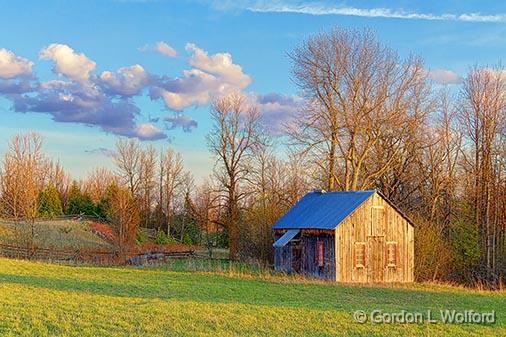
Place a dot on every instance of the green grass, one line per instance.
(58, 234)
(38, 299)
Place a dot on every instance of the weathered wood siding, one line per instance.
(285, 260)
(375, 223)
(309, 266)
(283, 257)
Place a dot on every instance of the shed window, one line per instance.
(391, 254)
(360, 255)
(320, 253)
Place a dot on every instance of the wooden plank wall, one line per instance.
(309, 267)
(282, 257)
(375, 221)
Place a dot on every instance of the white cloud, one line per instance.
(13, 66)
(148, 131)
(127, 81)
(160, 47)
(165, 49)
(319, 9)
(219, 64)
(444, 76)
(67, 62)
(212, 75)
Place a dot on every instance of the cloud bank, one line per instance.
(105, 100)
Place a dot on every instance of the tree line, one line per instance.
(369, 120)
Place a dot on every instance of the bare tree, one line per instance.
(147, 182)
(127, 158)
(22, 179)
(96, 183)
(482, 112)
(234, 134)
(170, 181)
(125, 216)
(358, 93)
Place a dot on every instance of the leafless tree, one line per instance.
(483, 113)
(22, 179)
(147, 181)
(97, 181)
(125, 216)
(170, 181)
(358, 93)
(127, 158)
(234, 134)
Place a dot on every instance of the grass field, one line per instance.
(58, 234)
(38, 299)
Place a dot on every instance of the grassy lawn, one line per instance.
(38, 299)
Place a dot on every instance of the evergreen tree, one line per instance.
(79, 203)
(49, 203)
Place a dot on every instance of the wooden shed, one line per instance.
(352, 236)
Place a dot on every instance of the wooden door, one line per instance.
(376, 258)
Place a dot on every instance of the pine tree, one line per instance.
(49, 203)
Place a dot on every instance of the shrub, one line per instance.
(141, 237)
(187, 240)
(161, 238)
(49, 203)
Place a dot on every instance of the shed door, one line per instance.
(376, 257)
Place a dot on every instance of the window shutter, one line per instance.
(320, 253)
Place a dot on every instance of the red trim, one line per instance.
(320, 253)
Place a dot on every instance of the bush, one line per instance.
(187, 240)
(140, 237)
(161, 238)
(49, 203)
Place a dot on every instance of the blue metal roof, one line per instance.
(322, 210)
(283, 240)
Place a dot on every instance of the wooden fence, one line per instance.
(101, 257)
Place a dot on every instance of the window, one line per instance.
(391, 254)
(360, 255)
(320, 253)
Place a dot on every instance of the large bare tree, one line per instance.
(358, 94)
(170, 180)
(233, 136)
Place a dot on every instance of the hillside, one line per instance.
(56, 300)
(58, 234)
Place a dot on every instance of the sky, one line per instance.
(84, 73)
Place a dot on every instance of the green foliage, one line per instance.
(161, 238)
(187, 240)
(140, 237)
(186, 228)
(79, 203)
(464, 238)
(433, 254)
(49, 203)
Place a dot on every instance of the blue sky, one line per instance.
(83, 73)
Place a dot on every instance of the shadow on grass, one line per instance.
(222, 289)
